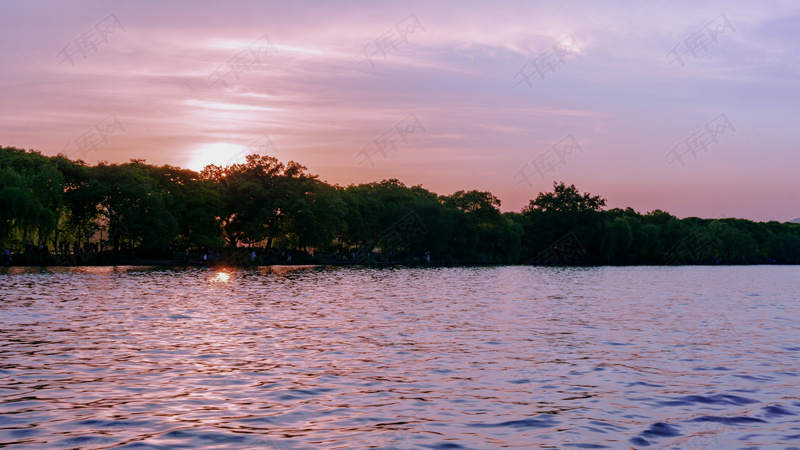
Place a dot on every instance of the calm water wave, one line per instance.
(291, 358)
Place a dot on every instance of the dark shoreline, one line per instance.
(394, 265)
(265, 212)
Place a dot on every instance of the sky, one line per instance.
(685, 106)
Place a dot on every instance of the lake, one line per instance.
(325, 357)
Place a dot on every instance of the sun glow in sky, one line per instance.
(217, 153)
(686, 107)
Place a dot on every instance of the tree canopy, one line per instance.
(53, 205)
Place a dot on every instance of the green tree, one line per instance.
(315, 214)
(133, 209)
(564, 213)
(32, 195)
(619, 240)
(16, 202)
(496, 239)
(194, 203)
(260, 197)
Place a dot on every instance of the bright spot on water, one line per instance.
(221, 277)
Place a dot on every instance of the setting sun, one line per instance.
(217, 153)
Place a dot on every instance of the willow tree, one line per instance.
(133, 208)
(31, 196)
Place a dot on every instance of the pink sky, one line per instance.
(314, 99)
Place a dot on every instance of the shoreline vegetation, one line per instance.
(55, 211)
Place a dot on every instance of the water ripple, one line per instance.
(319, 357)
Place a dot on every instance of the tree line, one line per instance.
(53, 207)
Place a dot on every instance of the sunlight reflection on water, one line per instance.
(221, 277)
(323, 357)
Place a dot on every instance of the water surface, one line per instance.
(507, 357)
